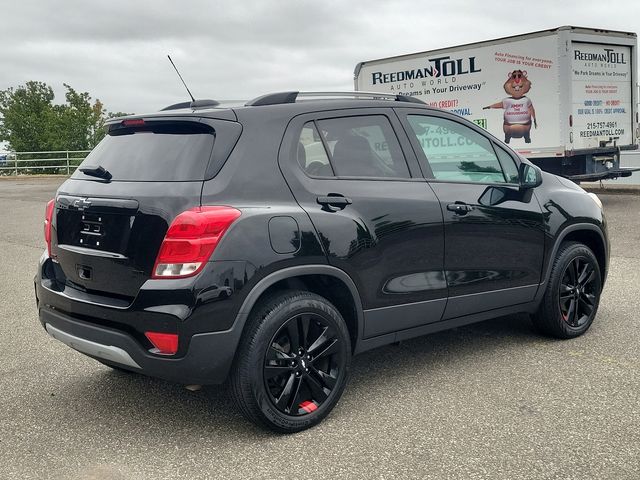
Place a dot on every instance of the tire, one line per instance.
(572, 295)
(292, 363)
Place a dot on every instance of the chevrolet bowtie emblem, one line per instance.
(81, 204)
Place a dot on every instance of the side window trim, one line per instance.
(327, 150)
(504, 170)
(416, 169)
(420, 154)
(296, 130)
(423, 164)
(495, 152)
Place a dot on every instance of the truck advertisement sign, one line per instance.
(510, 89)
(601, 91)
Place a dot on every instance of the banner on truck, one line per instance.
(510, 89)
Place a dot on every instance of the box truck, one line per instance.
(565, 98)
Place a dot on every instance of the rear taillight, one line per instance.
(48, 218)
(191, 239)
(165, 343)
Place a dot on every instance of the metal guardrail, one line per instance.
(58, 162)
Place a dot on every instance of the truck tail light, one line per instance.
(165, 343)
(191, 239)
(571, 120)
(48, 218)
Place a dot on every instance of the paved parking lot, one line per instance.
(492, 400)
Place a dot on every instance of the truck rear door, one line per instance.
(602, 95)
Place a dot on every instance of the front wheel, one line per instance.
(293, 362)
(572, 294)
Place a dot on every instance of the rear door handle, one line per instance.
(333, 202)
(459, 208)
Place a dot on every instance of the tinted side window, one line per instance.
(311, 154)
(364, 146)
(455, 152)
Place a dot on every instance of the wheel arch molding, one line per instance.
(590, 235)
(305, 277)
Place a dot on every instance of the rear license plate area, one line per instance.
(92, 231)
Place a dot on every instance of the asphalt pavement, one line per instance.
(489, 401)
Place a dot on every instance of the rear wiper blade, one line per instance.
(96, 171)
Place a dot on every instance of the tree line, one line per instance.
(31, 121)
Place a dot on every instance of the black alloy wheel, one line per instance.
(572, 293)
(302, 364)
(292, 363)
(577, 295)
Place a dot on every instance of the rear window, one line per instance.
(156, 151)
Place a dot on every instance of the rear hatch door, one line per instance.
(107, 231)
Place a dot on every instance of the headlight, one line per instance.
(595, 198)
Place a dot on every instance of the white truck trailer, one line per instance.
(565, 98)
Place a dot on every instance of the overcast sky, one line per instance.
(116, 50)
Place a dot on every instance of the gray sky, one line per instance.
(116, 50)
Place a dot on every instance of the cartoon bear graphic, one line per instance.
(518, 108)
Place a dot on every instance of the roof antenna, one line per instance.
(183, 82)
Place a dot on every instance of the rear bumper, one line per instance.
(206, 321)
(207, 361)
(105, 352)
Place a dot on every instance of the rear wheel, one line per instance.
(293, 362)
(572, 294)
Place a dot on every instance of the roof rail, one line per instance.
(292, 97)
(194, 105)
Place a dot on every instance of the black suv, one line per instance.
(269, 242)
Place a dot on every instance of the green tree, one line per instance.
(79, 121)
(27, 116)
(32, 122)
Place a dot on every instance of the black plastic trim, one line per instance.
(391, 319)
(204, 103)
(273, 99)
(299, 271)
(227, 136)
(434, 327)
(207, 361)
(177, 106)
(408, 99)
(559, 239)
(194, 105)
(462, 305)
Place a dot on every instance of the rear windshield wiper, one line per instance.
(96, 171)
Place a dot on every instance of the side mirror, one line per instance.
(529, 176)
